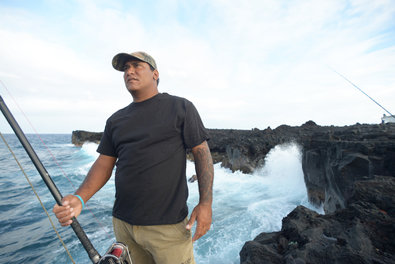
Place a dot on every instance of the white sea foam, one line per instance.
(88, 155)
(248, 204)
(89, 148)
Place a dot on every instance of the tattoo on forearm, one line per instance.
(204, 171)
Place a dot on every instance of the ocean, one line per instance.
(244, 204)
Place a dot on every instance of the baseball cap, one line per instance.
(120, 59)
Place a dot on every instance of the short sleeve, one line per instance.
(194, 132)
(106, 146)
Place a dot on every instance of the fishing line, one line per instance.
(344, 77)
(53, 158)
(38, 197)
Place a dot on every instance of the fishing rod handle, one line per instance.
(86, 243)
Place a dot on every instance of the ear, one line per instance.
(156, 75)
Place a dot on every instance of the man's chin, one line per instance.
(132, 89)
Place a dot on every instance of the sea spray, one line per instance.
(248, 204)
(87, 155)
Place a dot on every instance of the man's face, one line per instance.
(139, 76)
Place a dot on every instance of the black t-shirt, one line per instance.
(150, 139)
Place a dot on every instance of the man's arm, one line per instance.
(98, 175)
(202, 213)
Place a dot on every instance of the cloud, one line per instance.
(243, 64)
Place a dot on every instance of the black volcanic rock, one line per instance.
(362, 233)
(79, 137)
(333, 160)
(245, 150)
(351, 170)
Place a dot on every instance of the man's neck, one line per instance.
(138, 97)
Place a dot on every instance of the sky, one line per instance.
(243, 64)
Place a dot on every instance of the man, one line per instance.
(147, 141)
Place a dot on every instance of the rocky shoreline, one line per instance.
(349, 169)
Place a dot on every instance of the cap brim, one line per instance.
(119, 60)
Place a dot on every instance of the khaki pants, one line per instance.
(159, 244)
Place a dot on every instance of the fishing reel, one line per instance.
(118, 253)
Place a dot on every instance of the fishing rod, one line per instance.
(341, 75)
(118, 253)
